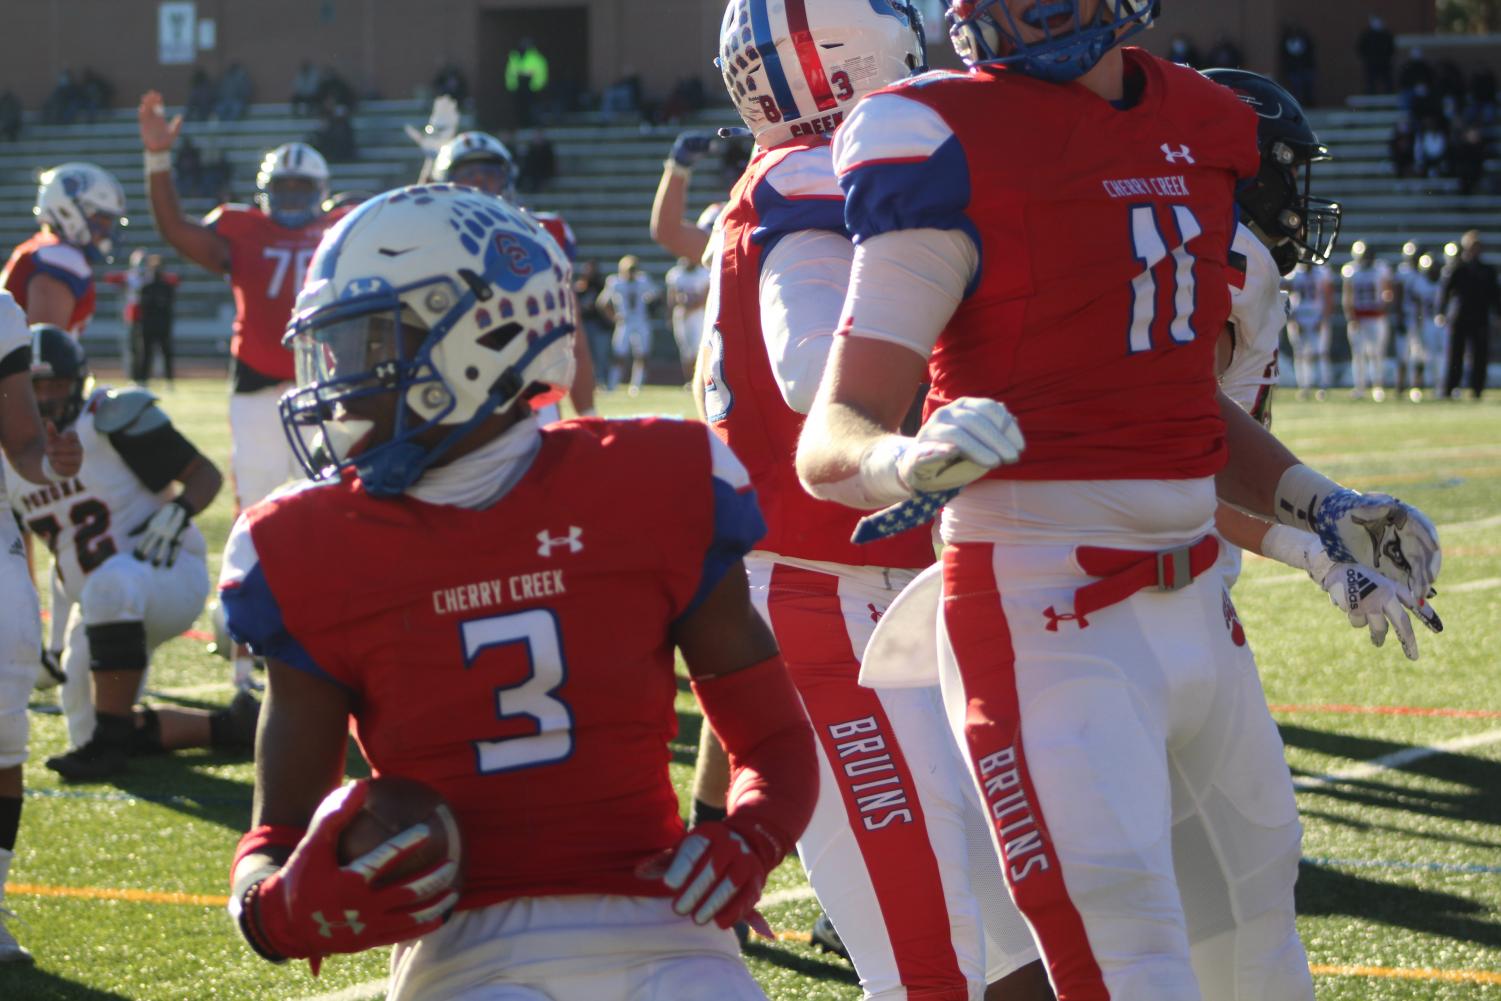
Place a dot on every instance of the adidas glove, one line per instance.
(160, 535)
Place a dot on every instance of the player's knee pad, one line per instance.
(117, 591)
(117, 646)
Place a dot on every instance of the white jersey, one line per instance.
(629, 297)
(1309, 288)
(14, 335)
(691, 283)
(1365, 285)
(1405, 283)
(1423, 295)
(1258, 312)
(89, 518)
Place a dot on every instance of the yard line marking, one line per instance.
(359, 992)
(1463, 868)
(129, 895)
(1483, 584)
(1389, 711)
(207, 688)
(1404, 973)
(1491, 521)
(168, 799)
(1396, 760)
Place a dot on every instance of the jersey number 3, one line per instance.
(1151, 247)
(544, 721)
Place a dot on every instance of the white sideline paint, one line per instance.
(1396, 760)
(1483, 584)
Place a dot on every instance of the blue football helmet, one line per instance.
(1050, 40)
(442, 299)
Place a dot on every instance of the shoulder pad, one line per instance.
(132, 410)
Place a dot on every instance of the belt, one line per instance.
(1123, 572)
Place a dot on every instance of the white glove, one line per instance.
(160, 535)
(442, 125)
(960, 443)
(1376, 531)
(1375, 602)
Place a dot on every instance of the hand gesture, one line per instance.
(688, 147)
(442, 125)
(1381, 533)
(717, 871)
(1374, 602)
(157, 134)
(63, 451)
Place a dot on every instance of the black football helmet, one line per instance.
(1277, 204)
(56, 354)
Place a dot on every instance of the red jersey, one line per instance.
(557, 228)
(46, 254)
(517, 658)
(1103, 235)
(267, 263)
(784, 190)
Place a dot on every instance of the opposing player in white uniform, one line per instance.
(626, 297)
(687, 288)
(1366, 297)
(1407, 314)
(1427, 287)
(42, 456)
(1310, 331)
(896, 847)
(131, 563)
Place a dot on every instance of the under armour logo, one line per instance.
(17, 548)
(545, 542)
(1232, 620)
(1181, 153)
(1054, 618)
(875, 613)
(351, 921)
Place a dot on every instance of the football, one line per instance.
(393, 805)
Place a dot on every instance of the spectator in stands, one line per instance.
(686, 98)
(1299, 63)
(623, 97)
(539, 163)
(333, 91)
(1415, 84)
(234, 94)
(526, 79)
(62, 105)
(1471, 289)
(201, 97)
(1401, 148)
(95, 95)
(305, 89)
(1224, 54)
(218, 177)
(1184, 52)
(335, 136)
(1467, 157)
(188, 168)
(10, 116)
(1377, 47)
(450, 80)
(1482, 106)
(158, 298)
(1431, 148)
(1450, 85)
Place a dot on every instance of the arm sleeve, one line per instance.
(157, 457)
(251, 612)
(905, 286)
(803, 283)
(737, 522)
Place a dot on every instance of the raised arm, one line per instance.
(192, 240)
(670, 229)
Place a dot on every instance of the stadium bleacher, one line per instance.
(607, 175)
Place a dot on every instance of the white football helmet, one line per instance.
(795, 69)
(446, 298)
(490, 166)
(82, 204)
(293, 206)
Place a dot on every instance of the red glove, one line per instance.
(719, 869)
(313, 907)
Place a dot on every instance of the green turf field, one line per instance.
(117, 888)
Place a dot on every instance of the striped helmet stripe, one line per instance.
(807, 55)
(767, 49)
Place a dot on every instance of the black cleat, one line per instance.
(93, 761)
(826, 937)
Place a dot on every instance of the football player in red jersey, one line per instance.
(51, 275)
(509, 600)
(887, 850)
(264, 251)
(1093, 670)
(479, 160)
(44, 457)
